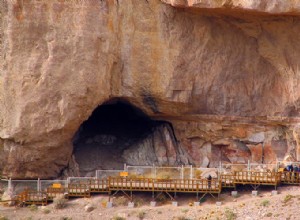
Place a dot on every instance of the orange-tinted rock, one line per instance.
(213, 75)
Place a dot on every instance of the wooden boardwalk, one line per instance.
(127, 185)
(290, 178)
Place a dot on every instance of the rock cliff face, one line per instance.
(264, 6)
(225, 75)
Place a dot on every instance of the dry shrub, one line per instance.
(118, 218)
(139, 202)
(287, 198)
(60, 202)
(46, 211)
(33, 208)
(180, 218)
(120, 201)
(141, 215)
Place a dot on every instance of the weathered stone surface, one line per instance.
(214, 76)
(269, 6)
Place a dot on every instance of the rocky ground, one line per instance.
(245, 206)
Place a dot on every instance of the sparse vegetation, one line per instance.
(46, 211)
(138, 202)
(265, 203)
(180, 218)
(287, 198)
(269, 214)
(3, 217)
(184, 210)
(33, 208)
(66, 218)
(60, 202)
(118, 218)
(229, 214)
(120, 201)
(141, 215)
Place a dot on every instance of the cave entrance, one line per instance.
(117, 133)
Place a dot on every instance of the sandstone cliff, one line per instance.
(227, 80)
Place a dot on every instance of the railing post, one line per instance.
(125, 167)
(38, 185)
(191, 174)
(277, 165)
(153, 171)
(249, 165)
(68, 182)
(182, 172)
(9, 185)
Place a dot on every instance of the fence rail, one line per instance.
(132, 178)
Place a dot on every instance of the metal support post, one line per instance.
(153, 171)
(181, 173)
(38, 185)
(9, 185)
(249, 165)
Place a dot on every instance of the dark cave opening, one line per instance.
(112, 128)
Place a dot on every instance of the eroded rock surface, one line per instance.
(228, 83)
(268, 6)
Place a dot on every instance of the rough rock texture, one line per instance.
(267, 6)
(228, 82)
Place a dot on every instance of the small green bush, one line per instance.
(265, 203)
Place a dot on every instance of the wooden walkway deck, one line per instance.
(124, 184)
(290, 178)
(32, 197)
